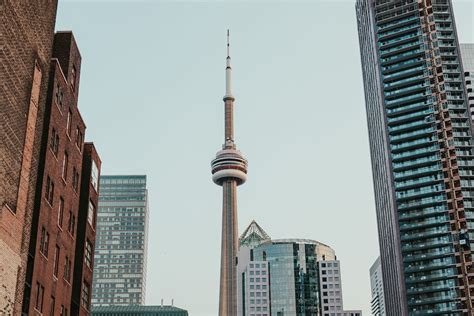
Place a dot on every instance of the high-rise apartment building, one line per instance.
(467, 55)
(26, 49)
(57, 231)
(422, 155)
(376, 284)
(293, 277)
(121, 244)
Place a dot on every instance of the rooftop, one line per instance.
(137, 310)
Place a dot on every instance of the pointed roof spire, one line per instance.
(253, 236)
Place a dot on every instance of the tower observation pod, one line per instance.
(229, 170)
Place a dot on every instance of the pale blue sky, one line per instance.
(151, 94)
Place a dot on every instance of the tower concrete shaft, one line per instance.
(229, 169)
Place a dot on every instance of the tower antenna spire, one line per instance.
(228, 43)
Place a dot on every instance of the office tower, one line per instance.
(287, 277)
(467, 55)
(376, 285)
(55, 235)
(253, 282)
(422, 156)
(136, 310)
(229, 169)
(85, 240)
(54, 238)
(26, 48)
(121, 244)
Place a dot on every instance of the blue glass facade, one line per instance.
(422, 157)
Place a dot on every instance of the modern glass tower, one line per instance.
(229, 169)
(422, 155)
(121, 243)
(376, 285)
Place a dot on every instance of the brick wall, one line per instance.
(25, 52)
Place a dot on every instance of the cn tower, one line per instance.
(229, 169)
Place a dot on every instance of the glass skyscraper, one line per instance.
(287, 277)
(422, 156)
(121, 244)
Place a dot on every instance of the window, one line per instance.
(49, 192)
(71, 223)
(69, 122)
(39, 297)
(67, 269)
(85, 295)
(59, 96)
(63, 311)
(91, 213)
(44, 242)
(75, 179)
(88, 256)
(54, 142)
(52, 306)
(61, 212)
(65, 163)
(73, 78)
(56, 261)
(95, 176)
(79, 138)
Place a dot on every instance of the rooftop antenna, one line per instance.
(228, 43)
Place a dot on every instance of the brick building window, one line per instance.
(49, 192)
(79, 138)
(73, 78)
(39, 297)
(85, 295)
(54, 142)
(65, 165)
(61, 212)
(67, 269)
(63, 311)
(44, 242)
(56, 261)
(59, 96)
(91, 213)
(95, 176)
(88, 256)
(69, 123)
(75, 179)
(71, 223)
(52, 306)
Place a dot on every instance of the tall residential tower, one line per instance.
(229, 169)
(121, 245)
(422, 154)
(467, 54)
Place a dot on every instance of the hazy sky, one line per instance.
(151, 93)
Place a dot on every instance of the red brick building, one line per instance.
(25, 53)
(58, 230)
(86, 224)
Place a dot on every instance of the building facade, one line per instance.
(287, 277)
(422, 157)
(376, 284)
(467, 55)
(54, 234)
(138, 311)
(86, 227)
(121, 244)
(27, 42)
